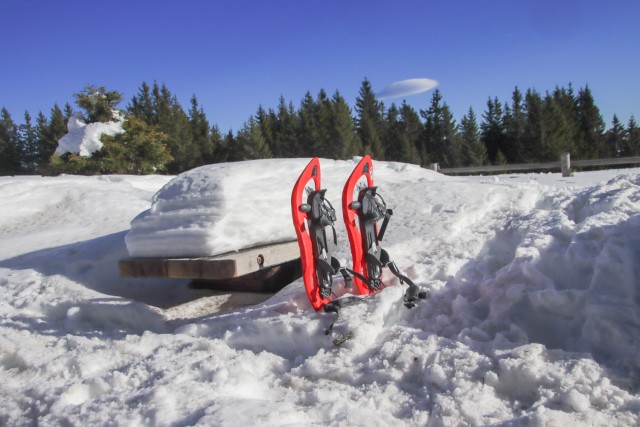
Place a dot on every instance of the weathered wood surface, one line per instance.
(219, 267)
(267, 279)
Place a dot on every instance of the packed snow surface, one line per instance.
(84, 139)
(533, 319)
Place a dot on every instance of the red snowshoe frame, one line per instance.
(310, 172)
(358, 255)
(369, 258)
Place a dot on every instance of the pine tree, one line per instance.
(342, 129)
(566, 102)
(233, 148)
(140, 149)
(180, 134)
(475, 152)
(68, 112)
(98, 103)
(370, 121)
(590, 126)
(41, 128)
(514, 124)
(492, 130)
(284, 130)
(161, 99)
(452, 144)
(441, 134)
(200, 133)
(326, 147)
(308, 132)
(400, 147)
(228, 150)
(558, 131)
(431, 149)
(414, 129)
(55, 130)
(264, 120)
(9, 143)
(615, 138)
(252, 141)
(142, 105)
(217, 145)
(393, 136)
(632, 139)
(174, 123)
(28, 146)
(534, 130)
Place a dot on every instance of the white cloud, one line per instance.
(407, 87)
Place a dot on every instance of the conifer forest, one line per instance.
(162, 137)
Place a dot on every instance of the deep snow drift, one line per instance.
(534, 316)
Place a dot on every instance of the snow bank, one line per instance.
(226, 207)
(84, 139)
(533, 317)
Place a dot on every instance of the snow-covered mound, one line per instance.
(534, 315)
(84, 139)
(226, 207)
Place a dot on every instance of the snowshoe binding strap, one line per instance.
(372, 208)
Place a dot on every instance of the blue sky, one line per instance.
(236, 55)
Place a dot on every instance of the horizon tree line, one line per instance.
(161, 137)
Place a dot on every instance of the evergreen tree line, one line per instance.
(160, 136)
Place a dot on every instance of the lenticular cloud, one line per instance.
(407, 87)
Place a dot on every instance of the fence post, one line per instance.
(565, 164)
(434, 167)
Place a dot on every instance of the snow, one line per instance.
(227, 207)
(534, 315)
(84, 139)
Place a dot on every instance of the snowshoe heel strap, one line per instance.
(335, 307)
(414, 293)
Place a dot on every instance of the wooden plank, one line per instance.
(219, 267)
(256, 258)
(142, 268)
(200, 268)
(268, 279)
